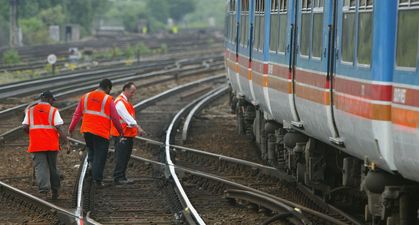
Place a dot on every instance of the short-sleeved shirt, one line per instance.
(57, 118)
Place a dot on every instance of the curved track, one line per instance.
(20, 176)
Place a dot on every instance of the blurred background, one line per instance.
(28, 22)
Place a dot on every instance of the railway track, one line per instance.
(66, 89)
(242, 173)
(144, 209)
(35, 56)
(16, 169)
(211, 181)
(156, 112)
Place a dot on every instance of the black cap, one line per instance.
(48, 95)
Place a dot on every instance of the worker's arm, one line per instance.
(25, 123)
(115, 119)
(76, 118)
(62, 134)
(128, 119)
(124, 114)
(58, 123)
(26, 128)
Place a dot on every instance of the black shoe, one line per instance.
(98, 184)
(55, 195)
(123, 182)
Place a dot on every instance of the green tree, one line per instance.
(179, 8)
(52, 16)
(34, 31)
(158, 9)
(84, 12)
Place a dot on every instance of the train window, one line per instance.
(366, 4)
(256, 32)
(273, 41)
(245, 5)
(230, 29)
(407, 36)
(283, 5)
(226, 28)
(317, 34)
(306, 4)
(348, 32)
(233, 28)
(262, 32)
(259, 24)
(305, 31)
(260, 6)
(349, 3)
(282, 32)
(274, 5)
(311, 28)
(364, 37)
(232, 5)
(243, 30)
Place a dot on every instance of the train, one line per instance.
(329, 91)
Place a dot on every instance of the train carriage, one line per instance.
(342, 74)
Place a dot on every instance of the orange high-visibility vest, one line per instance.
(96, 114)
(128, 131)
(43, 136)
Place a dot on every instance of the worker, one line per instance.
(98, 110)
(123, 148)
(43, 124)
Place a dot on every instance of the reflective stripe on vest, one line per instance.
(32, 123)
(102, 108)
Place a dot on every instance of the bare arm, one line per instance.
(63, 136)
(78, 113)
(25, 128)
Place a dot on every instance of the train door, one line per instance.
(312, 66)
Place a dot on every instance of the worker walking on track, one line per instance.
(123, 147)
(98, 110)
(43, 124)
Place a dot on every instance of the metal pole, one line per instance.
(13, 27)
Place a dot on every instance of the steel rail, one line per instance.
(173, 125)
(142, 104)
(187, 72)
(198, 107)
(269, 203)
(68, 215)
(123, 78)
(218, 156)
(152, 100)
(279, 202)
(36, 85)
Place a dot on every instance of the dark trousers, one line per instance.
(46, 173)
(97, 148)
(123, 152)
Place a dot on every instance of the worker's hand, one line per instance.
(68, 147)
(70, 133)
(141, 132)
(64, 139)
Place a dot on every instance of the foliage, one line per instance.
(129, 52)
(34, 31)
(52, 16)
(142, 48)
(179, 8)
(199, 18)
(52, 12)
(161, 10)
(11, 57)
